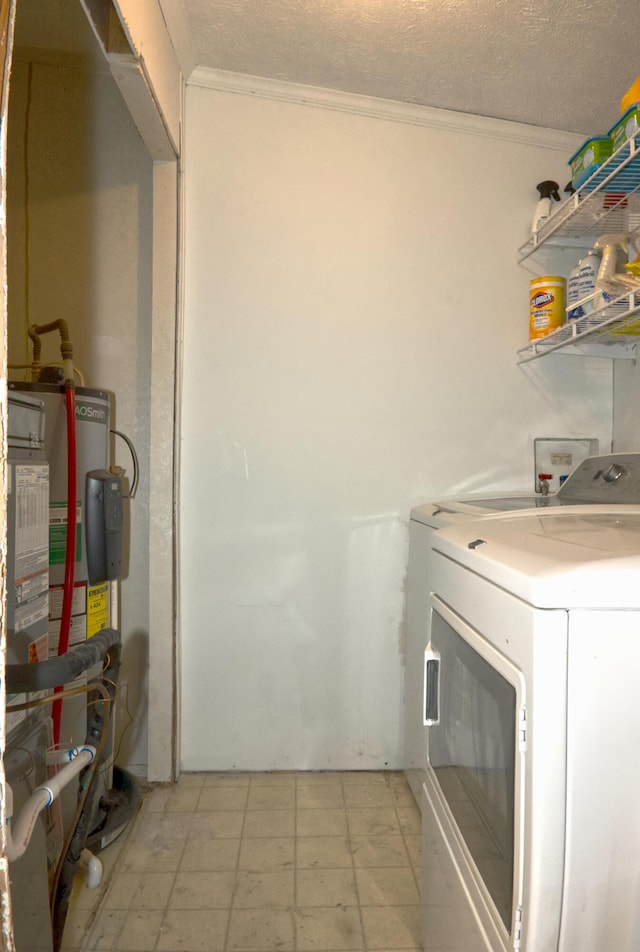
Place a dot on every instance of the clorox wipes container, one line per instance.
(546, 305)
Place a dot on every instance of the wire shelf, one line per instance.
(610, 330)
(609, 201)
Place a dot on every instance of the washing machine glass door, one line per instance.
(473, 749)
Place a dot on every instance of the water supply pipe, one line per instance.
(43, 796)
(66, 352)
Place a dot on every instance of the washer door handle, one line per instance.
(431, 686)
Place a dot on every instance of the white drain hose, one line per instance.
(94, 869)
(42, 797)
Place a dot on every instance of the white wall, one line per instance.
(352, 310)
(626, 423)
(79, 244)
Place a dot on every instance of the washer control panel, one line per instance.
(614, 478)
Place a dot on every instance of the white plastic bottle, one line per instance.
(573, 294)
(548, 193)
(614, 253)
(587, 277)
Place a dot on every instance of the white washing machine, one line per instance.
(531, 661)
(424, 521)
(560, 457)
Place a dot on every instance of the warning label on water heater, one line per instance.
(31, 541)
(97, 608)
(58, 533)
(78, 603)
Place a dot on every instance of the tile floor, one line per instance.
(294, 862)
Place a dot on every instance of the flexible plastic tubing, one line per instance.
(75, 840)
(43, 796)
(70, 556)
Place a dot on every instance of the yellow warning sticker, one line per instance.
(97, 608)
(39, 649)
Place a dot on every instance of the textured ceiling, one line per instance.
(558, 63)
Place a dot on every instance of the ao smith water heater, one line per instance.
(65, 499)
(94, 603)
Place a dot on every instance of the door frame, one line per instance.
(7, 23)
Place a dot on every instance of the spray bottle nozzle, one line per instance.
(613, 240)
(549, 189)
(609, 245)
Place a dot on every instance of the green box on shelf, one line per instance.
(625, 127)
(588, 158)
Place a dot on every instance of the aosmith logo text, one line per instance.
(90, 412)
(541, 299)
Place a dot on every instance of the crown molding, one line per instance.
(390, 110)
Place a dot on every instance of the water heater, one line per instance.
(94, 603)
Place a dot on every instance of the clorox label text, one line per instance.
(540, 300)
